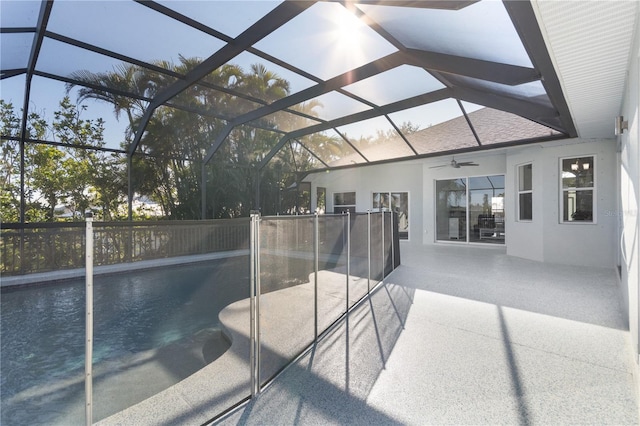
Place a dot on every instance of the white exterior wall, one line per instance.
(402, 177)
(629, 188)
(589, 244)
(525, 239)
(543, 239)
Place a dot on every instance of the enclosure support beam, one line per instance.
(273, 20)
(525, 23)
(129, 187)
(438, 95)
(257, 179)
(43, 19)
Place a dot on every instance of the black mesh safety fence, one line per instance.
(45, 247)
(168, 299)
(214, 302)
(286, 303)
(313, 269)
(178, 310)
(377, 254)
(332, 278)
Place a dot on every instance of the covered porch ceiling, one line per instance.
(366, 81)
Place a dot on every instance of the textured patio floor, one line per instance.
(488, 339)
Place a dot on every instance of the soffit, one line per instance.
(590, 44)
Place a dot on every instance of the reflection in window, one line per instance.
(486, 209)
(578, 184)
(451, 209)
(471, 209)
(380, 201)
(525, 192)
(344, 201)
(398, 202)
(321, 200)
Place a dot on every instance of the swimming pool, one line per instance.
(151, 329)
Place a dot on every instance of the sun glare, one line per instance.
(348, 31)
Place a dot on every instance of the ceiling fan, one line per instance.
(455, 164)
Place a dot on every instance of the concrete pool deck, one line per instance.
(456, 335)
(287, 328)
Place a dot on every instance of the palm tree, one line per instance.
(125, 79)
(177, 139)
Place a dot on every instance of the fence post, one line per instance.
(384, 264)
(254, 304)
(393, 242)
(348, 254)
(316, 255)
(368, 251)
(88, 357)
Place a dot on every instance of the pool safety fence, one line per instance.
(303, 274)
(44, 247)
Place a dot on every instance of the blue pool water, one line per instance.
(148, 325)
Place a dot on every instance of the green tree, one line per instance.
(36, 128)
(9, 164)
(175, 141)
(69, 174)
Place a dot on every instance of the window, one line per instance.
(525, 192)
(397, 202)
(578, 186)
(471, 209)
(321, 200)
(344, 201)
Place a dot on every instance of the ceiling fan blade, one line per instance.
(468, 163)
(437, 167)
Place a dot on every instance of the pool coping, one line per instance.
(62, 275)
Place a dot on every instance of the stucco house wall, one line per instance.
(629, 194)
(542, 239)
(545, 237)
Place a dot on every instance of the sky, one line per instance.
(325, 40)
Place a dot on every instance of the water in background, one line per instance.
(151, 330)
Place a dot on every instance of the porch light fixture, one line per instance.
(621, 125)
(576, 166)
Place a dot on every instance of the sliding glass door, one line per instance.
(451, 209)
(471, 209)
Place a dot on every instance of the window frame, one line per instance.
(592, 188)
(388, 208)
(346, 207)
(522, 192)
